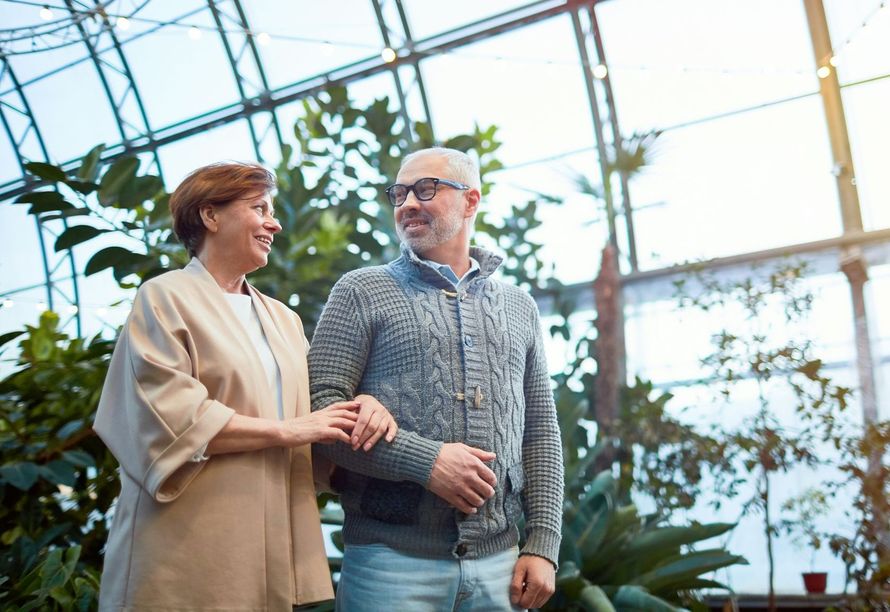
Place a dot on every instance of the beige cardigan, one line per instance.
(237, 532)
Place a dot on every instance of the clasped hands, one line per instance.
(361, 423)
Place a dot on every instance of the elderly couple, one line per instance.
(425, 397)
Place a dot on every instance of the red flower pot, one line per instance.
(815, 582)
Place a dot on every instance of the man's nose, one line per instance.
(411, 201)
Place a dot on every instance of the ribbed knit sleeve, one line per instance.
(542, 455)
(337, 360)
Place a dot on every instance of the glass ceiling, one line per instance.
(743, 164)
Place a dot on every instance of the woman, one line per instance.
(206, 407)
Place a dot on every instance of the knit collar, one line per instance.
(412, 264)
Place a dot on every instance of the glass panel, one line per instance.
(744, 183)
(72, 112)
(174, 90)
(860, 36)
(429, 18)
(21, 264)
(705, 63)
(230, 141)
(305, 41)
(865, 107)
(9, 163)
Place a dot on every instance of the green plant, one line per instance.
(114, 199)
(807, 509)
(614, 559)
(57, 480)
(763, 445)
(866, 482)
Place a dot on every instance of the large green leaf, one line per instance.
(676, 573)
(594, 599)
(111, 257)
(9, 336)
(141, 188)
(635, 598)
(48, 172)
(59, 472)
(116, 178)
(669, 538)
(89, 165)
(21, 475)
(75, 235)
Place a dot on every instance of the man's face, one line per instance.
(426, 225)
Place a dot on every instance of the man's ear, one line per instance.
(473, 197)
(209, 217)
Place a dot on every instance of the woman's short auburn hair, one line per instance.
(218, 184)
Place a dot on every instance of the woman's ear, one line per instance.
(209, 217)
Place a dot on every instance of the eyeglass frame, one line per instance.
(412, 189)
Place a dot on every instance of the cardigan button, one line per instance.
(468, 340)
(461, 550)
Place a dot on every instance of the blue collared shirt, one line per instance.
(446, 271)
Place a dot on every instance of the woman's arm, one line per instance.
(244, 433)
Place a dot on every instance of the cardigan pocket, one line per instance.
(513, 493)
(397, 503)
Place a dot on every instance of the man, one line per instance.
(458, 358)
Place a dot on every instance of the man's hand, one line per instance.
(534, 581)
(461, 478)
(374, 421)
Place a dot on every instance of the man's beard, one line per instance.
(439, 231)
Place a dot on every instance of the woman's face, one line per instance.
(244, 232)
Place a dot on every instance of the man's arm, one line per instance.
(542, 456)
(337, 361)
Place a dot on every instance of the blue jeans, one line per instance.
(376, 578)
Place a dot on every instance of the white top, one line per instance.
(245, 312)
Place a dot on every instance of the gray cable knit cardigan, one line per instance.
(451, 366)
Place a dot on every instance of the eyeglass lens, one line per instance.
(424, 189)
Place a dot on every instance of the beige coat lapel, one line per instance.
(234, 329)
(291, 359)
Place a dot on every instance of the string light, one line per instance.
(388, 55)
(194, 33)
(122, 24)
(7, 304)
(865, 22)
(264, 39)
(71, 309)
(823, 72)
(46, 13)
(833, 60)
(40, 306)
(600, 71)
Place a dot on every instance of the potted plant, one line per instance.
(807, 507)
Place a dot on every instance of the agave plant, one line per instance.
(614, 559)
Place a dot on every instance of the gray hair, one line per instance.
(463, 167)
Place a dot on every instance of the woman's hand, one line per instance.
(374, 421)
(330, 424)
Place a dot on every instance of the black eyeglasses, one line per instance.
(424, 190)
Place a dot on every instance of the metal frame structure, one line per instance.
(258, 103)
(29, 139)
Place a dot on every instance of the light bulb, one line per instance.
(45, 13)
(823, 72)
(264, 39)
(194, 33)
(600, 71)
(388, 55)
(122, 23)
